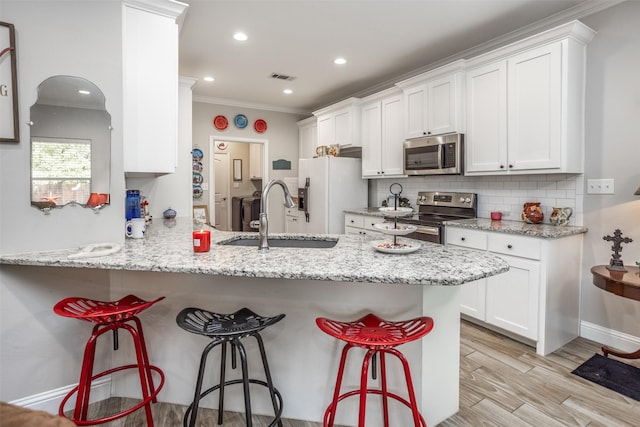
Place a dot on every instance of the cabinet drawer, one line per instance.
(351, 220)
(519, 246)
(371, 221)
(467, 238)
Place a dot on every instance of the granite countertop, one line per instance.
(544, 231)
(365, 211)
(353, 259)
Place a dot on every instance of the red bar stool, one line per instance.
(110, 316)
(377, 336)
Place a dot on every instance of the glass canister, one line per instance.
(132, 204)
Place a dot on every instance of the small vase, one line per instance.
(560, 216)
(532, 213)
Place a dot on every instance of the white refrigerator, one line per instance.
(334, 184)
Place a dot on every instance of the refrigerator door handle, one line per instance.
(306, 199)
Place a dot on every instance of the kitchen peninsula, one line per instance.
(345, 281)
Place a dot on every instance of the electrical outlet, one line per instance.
(600, 186)
(205, 186)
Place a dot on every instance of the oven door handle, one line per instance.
(433, 231)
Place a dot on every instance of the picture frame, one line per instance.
(201, 213)
(237, 169)
(9, 123)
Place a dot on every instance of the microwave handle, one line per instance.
(441, 156)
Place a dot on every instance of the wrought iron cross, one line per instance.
(617, 239)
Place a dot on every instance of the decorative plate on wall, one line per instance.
(197, 154)
(240, 121)
(260, 126)
(222, 145)
(220, 122)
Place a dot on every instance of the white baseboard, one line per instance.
(609, 337)
(49, 401)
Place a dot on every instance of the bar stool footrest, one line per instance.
(351, 393)
(275, 420)
(144, 402)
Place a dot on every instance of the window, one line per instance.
(60, 170)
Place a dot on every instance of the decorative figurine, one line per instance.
(616, 263)
(532, 213)
(560, 216)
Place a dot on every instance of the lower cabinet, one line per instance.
(537, 299)
(362, 224)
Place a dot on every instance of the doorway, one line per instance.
(221, 192)
(225, 151)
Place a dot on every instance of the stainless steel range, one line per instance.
(436, 207)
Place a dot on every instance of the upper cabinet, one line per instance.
(307, 137)
(150, 85)
(382, 135)
(340, 124)
(525, 105)
(433, 102)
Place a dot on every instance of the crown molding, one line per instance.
(243, 104)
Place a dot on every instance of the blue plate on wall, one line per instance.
(240, 121)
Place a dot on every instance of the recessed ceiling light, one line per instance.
(208, 79)
(340, 61)
(288, 91)
(84, 92)
(240, 36)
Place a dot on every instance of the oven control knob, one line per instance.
(467, 200)
(461, 199)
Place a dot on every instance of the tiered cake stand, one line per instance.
(394, 229)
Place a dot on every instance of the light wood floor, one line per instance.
(502, 383)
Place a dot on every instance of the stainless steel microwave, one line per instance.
(434, 155)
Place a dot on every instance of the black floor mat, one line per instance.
(612, 374)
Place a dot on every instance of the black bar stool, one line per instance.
(223, 329)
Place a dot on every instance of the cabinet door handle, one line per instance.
(509, 246)
(510, 166)
(463, 238)
(501, 166)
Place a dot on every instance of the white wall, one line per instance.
(612, 151)
(37, 344)
(54, 40)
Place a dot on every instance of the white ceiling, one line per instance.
(382, 40)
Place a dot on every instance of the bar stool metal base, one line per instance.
(110, 316)
(378, 337)
(229, 329)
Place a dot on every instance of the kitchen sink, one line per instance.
(276, 242)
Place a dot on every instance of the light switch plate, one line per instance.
(600, 186)
(205, 186)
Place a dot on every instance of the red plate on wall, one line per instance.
(220, 122)
(260, 126)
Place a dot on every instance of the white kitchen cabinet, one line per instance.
(150, 86)
(537, 300)
(362, 224)
(382, 137)
(525, 105)
(433, 102)
(255, 161)
(340, 124)
(307, 137)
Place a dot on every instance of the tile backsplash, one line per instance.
(506, 194)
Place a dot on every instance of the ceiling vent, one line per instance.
(282, 77)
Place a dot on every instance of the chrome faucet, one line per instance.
(263, 243)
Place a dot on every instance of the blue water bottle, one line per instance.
(132, 204)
